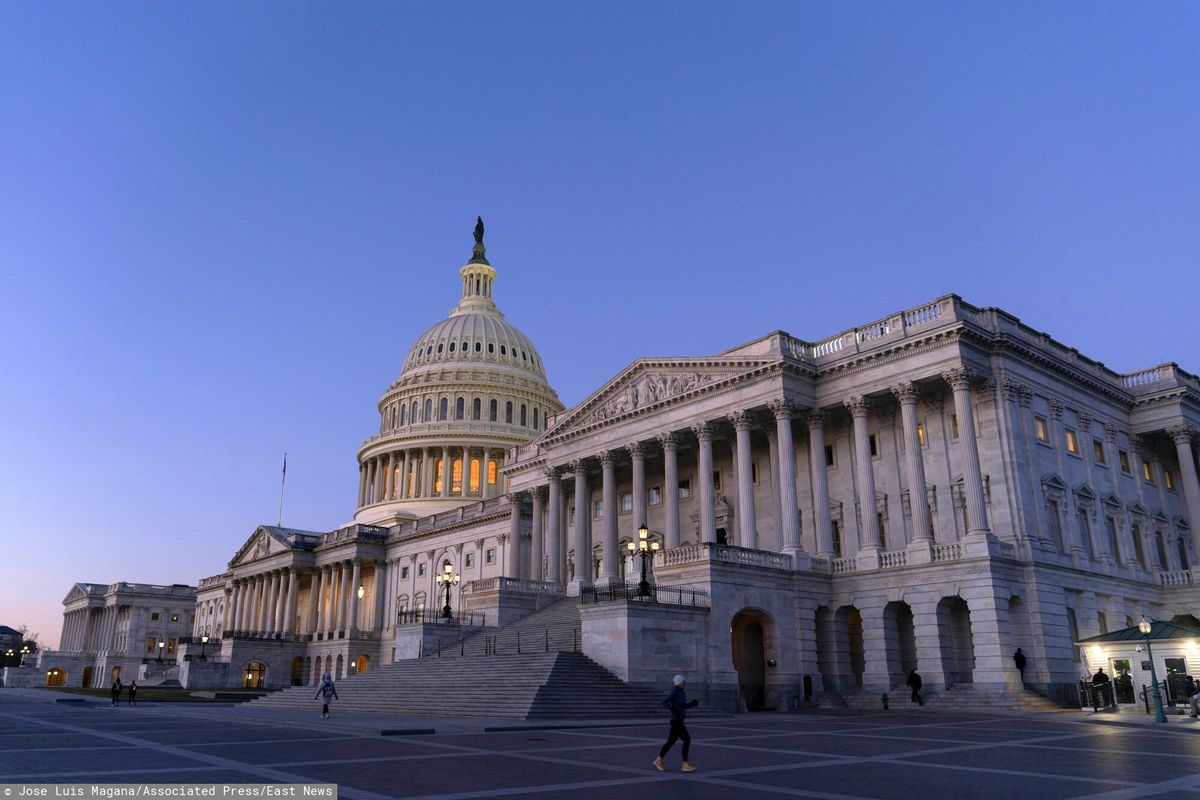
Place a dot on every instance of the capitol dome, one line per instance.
(471, 387)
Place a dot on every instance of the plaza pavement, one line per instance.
(821, 754)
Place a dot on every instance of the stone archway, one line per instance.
(307, 670)
(341, 668)
(751, 634)
(900, 641)
(360, 665)
(87, 677)
(849, 619)
(57, 676)
(955, 640)
(297, 671)
(254, 675)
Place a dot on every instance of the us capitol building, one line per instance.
(929, 491)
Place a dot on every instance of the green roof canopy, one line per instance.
(1159, 629)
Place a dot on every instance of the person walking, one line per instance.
(1019, 660)
(326, 691)
(1100, 688)
(914, 683)
(133, 693)
(116, 691)
(678, 704)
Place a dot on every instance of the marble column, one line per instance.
(271, 600)
(389, 489)
(748, 524)
(960, 382)
(704, 470)
(1182, 436)
(819, 475)
(638, 455)
(231, 608)
(289, 614)
(512, 551)
(611, 559)
(352, 595)
(378, 594)
(554, 553)
(537, 539)
(868, 517)
(446, 469)
(334, 588)
(484, 486)
(788, 501)
(362, 485)
(670, 492)
(582, 539)
(312, 620)
(281, 606)
(914, 463)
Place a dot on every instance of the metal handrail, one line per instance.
(671, 595)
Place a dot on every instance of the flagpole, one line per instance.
(282, 483)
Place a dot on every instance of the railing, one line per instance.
(828, 347)
(1143, 377)
(844, 566)
(873, 331)
(433, 616)
(259, 635)
(823, 565)
(670, 595)
(1179, 577)
(920, 316)
(947, 552)
(503, 584)
(708, 551)
(893, 558)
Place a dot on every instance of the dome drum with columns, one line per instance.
(471, 387)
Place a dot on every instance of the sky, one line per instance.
(223, 224)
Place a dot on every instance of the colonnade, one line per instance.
(265, 604)
(427, 472)
(82, 633)
(547, 544)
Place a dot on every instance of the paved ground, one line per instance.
(901, 754)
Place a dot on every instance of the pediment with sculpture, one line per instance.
(261, 544)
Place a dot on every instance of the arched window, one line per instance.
(491, 347)
(404, 415)
(492, 411)
(440, 346)
(478, 346)
(412, 415)
(503, 350)
(452, 345)
(476, 409)
(443, 408)
(524, 419)
(535, 418)
(1183, 554)
(459, 408)
(508, 412)
(456, 475)
(474, 474)
(491, 476)
(428, 409)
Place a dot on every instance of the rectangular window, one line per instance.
(837, 538)
(882, 531)
(1072, 442)
(420, 570)
(1073, 624)
(754, 472)
(874, 446)
(170, 647)
(921, 433)
(829, 458)
(491, 472)
(404, 573)
(1138, 548)
(1113, 544)
(1168, 478)
(954, 426)
(469, 559)
(655, 495)
(717, 481)
(685, 490)
(151, 644)
(490, 555)
(1055, 525)
(598, 509)
(626, 502)
(1148, 472)
(154, 617)
(1098, 451)
(1123, 457)
(1041, 429)
(1102, 622)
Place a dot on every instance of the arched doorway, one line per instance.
(849, 621)
(900, 641)
(255, 675)
(359, 665)
(341, 668)
(116, 673)
(297, 671)
(955, 640)
(307, 668)
(57, 676)
(749, 633)
(87, 677)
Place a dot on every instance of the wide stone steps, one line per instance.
(555, 628)
(557, 685)
(964, 697)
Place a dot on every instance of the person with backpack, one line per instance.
(116, 691)
(676, 701)
(326, 691)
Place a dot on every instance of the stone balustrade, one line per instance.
(1178, 577)
(707, 551)
(844, 566)
(947, 552)
(892, 559)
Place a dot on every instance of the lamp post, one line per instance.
(646, 549)
(24, 652)
(1159, 714)
(448, 579)
(161, 645)
(203, 644)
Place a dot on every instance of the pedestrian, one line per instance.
(914, 682)
(678, 704)
(116, 690)
(326, 691)
(1019, 660)
(133, 692)
(1100, 685)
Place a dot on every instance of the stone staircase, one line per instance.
(485, 676)
(961, 697)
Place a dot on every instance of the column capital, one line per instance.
(1024, 396)
(607, 458)
(1110, 431)
(1085, 421)
(538, 492)
(501, 538)
(579, 466)
(857, 405)
(636, 450)
(514, 497)
(782, 409)
(668, 441)
(740, 419)
(905, 393)
(1181, 434)
(1010, 389)
(815, 418)
(1056, 408)
(959, 378)
(703, 431)
(552, 474)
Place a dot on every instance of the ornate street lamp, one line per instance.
(1159, 714)
(203, 644)
(646, 549)
(161, 645)
(447, 578)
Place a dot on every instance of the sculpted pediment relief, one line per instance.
(260, 545)
(643, 385)
(76, 593)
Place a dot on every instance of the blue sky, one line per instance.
(223, 224)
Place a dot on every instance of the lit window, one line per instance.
(1123, 457)
(490, 555)
(1072, 442)
(1147, 472)
(598, 509)
(626, 502)
(438, 475)
(456, 475)
(655, 496)
(475, 474)
(491, 472)
(151, 644)
(685, 490)
(921, 433)
(1040, 428)
(1168, 478)
(170, 647)
(1098, 449)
